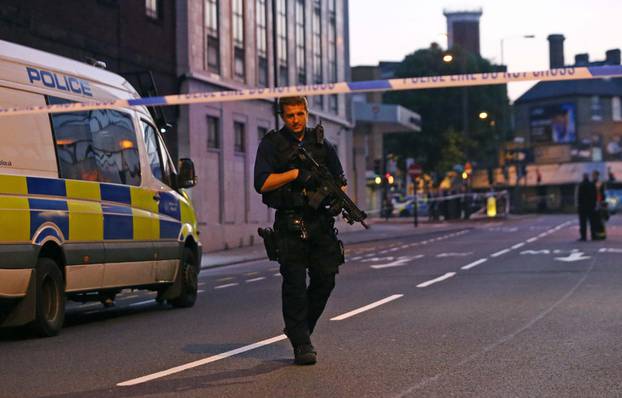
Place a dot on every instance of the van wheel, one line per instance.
(50, 299)
(189, 274)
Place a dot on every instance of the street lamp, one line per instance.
(513, 37)
(483, 115)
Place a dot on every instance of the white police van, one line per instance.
(90, 201)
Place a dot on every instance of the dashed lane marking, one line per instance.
(436, 280)
(261, 278)
(201, 362)
(366, 308)
(225, 285)
(474, 264)
(501, 252)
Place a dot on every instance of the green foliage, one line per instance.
(442, 142)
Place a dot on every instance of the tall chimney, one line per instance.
(612, 57)
(556, 51)
(582, 59)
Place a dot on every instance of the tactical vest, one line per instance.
(291, 196)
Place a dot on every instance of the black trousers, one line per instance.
(584, 217)
(597, 226)
(302, 304)
(315, 258)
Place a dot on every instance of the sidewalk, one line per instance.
(379, 230)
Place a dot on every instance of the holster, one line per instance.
(270, 243)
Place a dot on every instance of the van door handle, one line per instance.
(156, 197)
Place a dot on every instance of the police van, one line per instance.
(90, 201)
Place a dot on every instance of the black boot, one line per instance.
(305, 355)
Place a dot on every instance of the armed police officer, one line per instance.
(304, 239)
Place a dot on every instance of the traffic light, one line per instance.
(389, 178)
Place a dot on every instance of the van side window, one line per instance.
(151, 143)
(98, 145)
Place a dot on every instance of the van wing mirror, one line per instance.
(187, 177)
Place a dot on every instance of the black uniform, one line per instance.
(588, 198)
(307, 238)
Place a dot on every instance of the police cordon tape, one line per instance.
(412, 83)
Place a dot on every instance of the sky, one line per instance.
(388, 30)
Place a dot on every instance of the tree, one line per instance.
(442, 141)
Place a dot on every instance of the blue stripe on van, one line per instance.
(46, 186)
(169, 205)
(169, 229)
(49, 210)
(115, 193)
(118, 226)
(118, 222)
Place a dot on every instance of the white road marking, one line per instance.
(261, 278)
(201, 362)
(543, 251)
(518, 245)
(474, 264)
(436, 280)
(225, 285)
(609, 250)
(576, 256)
(530, 240)
(373, 259)
(463, 254)
(277, 274)
(356, 258)
(366, 308)
(200, 291)
(501, 252)
(397, 263)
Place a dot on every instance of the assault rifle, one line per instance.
(328, 192)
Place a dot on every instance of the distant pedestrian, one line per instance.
(601, 213)
(586, 206)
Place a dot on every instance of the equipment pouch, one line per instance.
(270, 242)
(296, 225)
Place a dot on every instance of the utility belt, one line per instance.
(301, 223)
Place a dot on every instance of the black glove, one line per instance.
(305, 179)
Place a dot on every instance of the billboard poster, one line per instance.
(553, 123)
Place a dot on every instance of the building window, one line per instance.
(616, 109)
(153, 8)
(262, 43)
(261, 132)
(316, 27)
(301, 63)
(213, 38)
(281, 29)
(213, 133)
(237, 8)
(239, 133)
(597, 108)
